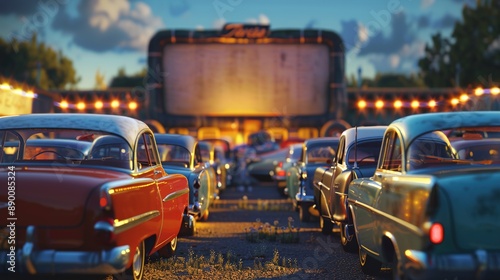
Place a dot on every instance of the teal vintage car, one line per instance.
(426, 212)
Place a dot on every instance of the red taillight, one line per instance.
(436, 233)
(281, 173)
(103, 202)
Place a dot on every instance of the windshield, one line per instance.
(173, 154)
(68, 146)
(467, 146)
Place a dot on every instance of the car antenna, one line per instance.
(356, 147)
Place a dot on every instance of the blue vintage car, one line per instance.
(316, 152)
(181, 154)
(429, 212)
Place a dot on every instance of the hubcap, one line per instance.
(137, 265)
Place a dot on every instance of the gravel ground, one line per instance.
(226, 237)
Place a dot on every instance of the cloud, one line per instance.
(178, 7)
(427, 3)
(423, 21)
(352, 34)
(218, 23)
(310, 24)
(262, 19)
(404, 60)
(18, 7)
(377, 43)
(447, 21)
(114, 25)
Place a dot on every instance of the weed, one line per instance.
(260, 232)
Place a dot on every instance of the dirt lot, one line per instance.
(259, 237)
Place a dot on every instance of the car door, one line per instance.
(338, 167)
(147, 155)
(389, 168)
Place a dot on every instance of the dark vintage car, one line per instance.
(282, 166)
(316, 152)
(103, 213)
(181, 154)
(207, 151)
(224, 161)
(427, 212)
(260, 168)
(357, 157)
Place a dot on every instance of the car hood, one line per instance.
(53, 196)
(474, 201)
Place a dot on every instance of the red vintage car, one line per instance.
(99, 211)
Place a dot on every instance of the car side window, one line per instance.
(340, 151)
(145, 151)
(10, 145)
(392, 152)
(197, 156)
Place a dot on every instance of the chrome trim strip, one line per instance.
(397, 220)
(176, 194)
(126, 224)
(324, 186)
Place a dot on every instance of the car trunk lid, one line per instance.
(52, 196)
(474, 197)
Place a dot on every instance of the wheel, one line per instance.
(304, 213)
(169, 249)
(189, 229)
(397, 273)
(348, 246)
(136, 270)
(369, 265)
(326, 225)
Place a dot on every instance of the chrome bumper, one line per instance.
(29, 260)
(478, 265)
(194, 210)
(304, 198)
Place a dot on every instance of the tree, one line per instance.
(36, 64)
(472, 54)
(99, 81)
(122, 80)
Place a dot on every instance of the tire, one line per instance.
(169, 249)
(189, 231)
(348, 246)
(326, 225)
(369, 265)
(397, 274)
(136, 270)
(304, 214)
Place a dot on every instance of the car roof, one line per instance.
(363, 133)
(415, 125)
(126, 127)
(186, 141)
(320, 140)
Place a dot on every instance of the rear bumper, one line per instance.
(478, 265)
(194, 210)
(28, 260)
(304, 198)
(280, 181)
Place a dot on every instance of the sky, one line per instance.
(381, 36)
